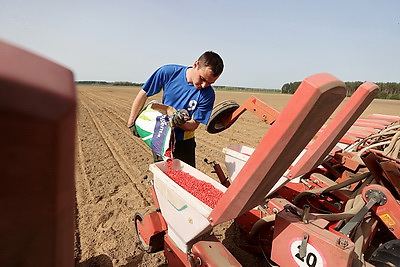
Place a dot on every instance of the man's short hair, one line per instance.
(213, 61)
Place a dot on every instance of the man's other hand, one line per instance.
(133, 130)
(179, 117)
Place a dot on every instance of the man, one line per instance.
(185, 88)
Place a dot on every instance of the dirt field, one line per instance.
(111, 163)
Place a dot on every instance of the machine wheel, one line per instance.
(220, 112)
(156, 241)
(387, 254)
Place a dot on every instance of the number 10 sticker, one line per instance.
(312, 259)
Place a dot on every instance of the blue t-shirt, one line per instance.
(179, 94)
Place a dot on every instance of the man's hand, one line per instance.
(133, 130)
(179, 117)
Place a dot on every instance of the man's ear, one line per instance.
(196, 64)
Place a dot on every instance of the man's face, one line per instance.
(202, 77)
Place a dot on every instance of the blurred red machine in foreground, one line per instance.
(37, 140)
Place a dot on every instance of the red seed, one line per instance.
(202, 190)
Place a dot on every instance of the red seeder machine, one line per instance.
(313, 192)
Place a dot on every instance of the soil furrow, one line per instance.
(119, 122)
(115, 151)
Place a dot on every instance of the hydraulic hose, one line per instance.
(331, 188)
(393, 149)
(353, 205)
(256, 227)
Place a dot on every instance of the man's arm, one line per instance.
(137, 105)
(189, 125)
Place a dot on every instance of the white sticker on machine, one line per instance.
(312, 258)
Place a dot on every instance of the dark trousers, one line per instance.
(186, 151)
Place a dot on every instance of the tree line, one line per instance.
(246, 89)
(108, 83)
(387, 90)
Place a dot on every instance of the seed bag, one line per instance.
(153, 127)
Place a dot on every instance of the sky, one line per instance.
(264, 43)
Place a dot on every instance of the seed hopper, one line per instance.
(314, 192)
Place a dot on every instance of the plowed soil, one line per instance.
(111, 164)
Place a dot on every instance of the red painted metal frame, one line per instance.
(373, 160)
(153, 223)
(391, 170)
(388, 212)
(154, 195)
(265, 112)
(333, 248)
(391, 118)
(382, 122)
(212, 253)
(365, 129)
(348, 139)
(383, 157)
(335, 130)
(358, 133)
(206, 253)
(175, 256)
(314, 101)
(369, 124)
(291, 190)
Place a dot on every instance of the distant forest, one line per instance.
(216, 87)
(108, 83)
(387, 90)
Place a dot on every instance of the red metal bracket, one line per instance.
(389, 211)
(263, 111)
